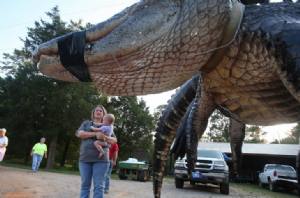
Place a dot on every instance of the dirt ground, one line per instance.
(20, 183)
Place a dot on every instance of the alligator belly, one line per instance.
(260, 104)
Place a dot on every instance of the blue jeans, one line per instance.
(108, 174)
(97, 171)
(36, 161)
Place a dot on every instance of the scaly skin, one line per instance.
(167, 127)
(155, 46)
(191, 128)
(155, 49)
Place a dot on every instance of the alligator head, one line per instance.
(150, 47)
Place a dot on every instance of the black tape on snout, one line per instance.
(71, 53)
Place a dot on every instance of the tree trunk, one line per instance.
(27, 152)
(52, 152)
(63, 160)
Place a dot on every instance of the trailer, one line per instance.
(133, 169)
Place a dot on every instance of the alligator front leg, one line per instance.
(237, 135)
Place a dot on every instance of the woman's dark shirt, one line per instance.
(88, 151)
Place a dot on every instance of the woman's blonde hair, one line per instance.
(93, 111)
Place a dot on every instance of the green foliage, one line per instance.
(253, 134)
(295, 133)
(293, 137)
(134, 127)
(33, 105)
(218, 127)
(158, 112)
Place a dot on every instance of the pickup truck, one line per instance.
(210, 168)
(278, 175)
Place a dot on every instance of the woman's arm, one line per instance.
(82, 132)
(85, 134)
(115, 157)
(4, 144)
(111, 140)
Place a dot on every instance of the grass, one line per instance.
(258, 191)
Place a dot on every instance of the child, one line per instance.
(107, 129)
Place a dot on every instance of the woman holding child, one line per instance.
(92, 164)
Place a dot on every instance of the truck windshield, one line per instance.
(284, 168)
(279, 167)
(209, 154)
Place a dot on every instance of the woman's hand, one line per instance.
(111, 140)
(100, 136)
(95, 129)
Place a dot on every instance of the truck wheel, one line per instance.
(260, 184)
(224, 188)
(179, 183)
(141, 176)
(272, 186)
(122, 175)
(193, 183)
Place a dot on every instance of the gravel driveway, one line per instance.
(20, 183)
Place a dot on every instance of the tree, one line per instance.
(134, 127)
(36, 106)
(218, 127)
(295, 133)
(292, 138)
(253, 134)
(158, 112)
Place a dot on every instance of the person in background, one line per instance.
(3, 143)
(113, 156)
(38, 151)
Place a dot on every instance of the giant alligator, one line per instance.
(248, 61)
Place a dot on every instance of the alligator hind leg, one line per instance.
(237, 135)
(192, 128)
(196, 125)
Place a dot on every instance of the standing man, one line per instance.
(38, 151)
(3, 143)
(113, 156)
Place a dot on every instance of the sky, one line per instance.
(16, 16)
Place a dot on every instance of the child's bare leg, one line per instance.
(99, 148)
